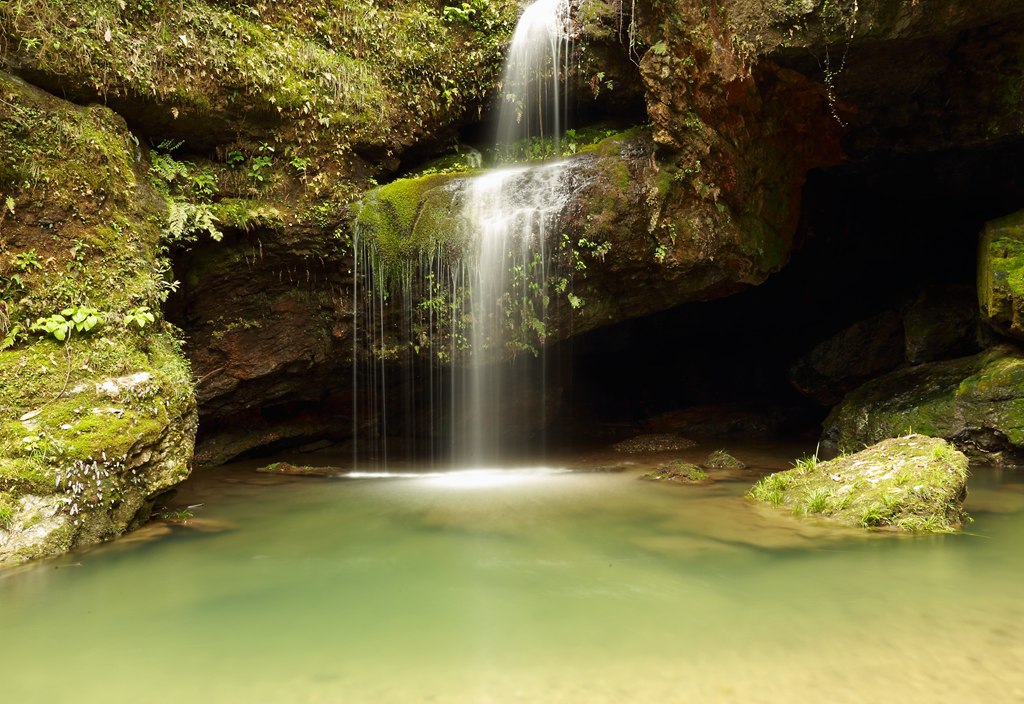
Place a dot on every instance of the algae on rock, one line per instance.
(912, 483)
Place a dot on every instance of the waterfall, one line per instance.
(475, 312)
(510, 212)
(532, 101)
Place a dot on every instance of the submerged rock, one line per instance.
(912, 483)
(679, 472)
(299, 471)
(977, 402)
(660, 442)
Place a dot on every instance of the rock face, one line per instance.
(976, 402)
(940, 323)
(911, 483)
(1001, 275)
(269, 321)
(97, 411)
(850, 357)
(262, 133)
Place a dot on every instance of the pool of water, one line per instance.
(532, 585)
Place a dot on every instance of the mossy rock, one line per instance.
(288, 469)
(678, 472)
(94, 427)
(411, 217)
(977, 402)
(720, 459)
(913, 483)
(656, 442)
(1001, 275)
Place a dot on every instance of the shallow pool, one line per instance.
(532, 585)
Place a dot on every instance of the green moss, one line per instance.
(409, 217)
(1001, 274)
(248, 215)
(677, 471)
(912, 483)
(358, 69)
(982, 394)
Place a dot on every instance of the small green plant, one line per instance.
(817, 501)
(176, 514)
(74, 319)
(806, 465)
(300, 163)
(7, 511)
(140, 316)
(26, 261)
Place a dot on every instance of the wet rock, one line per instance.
(720, 459)
(941, 323)
(679, 473)
(912, 483)
(299, 471)
(974, 401)
(1001, 275)
(850, 357)
(658, 442)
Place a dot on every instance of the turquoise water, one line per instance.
(524, 586)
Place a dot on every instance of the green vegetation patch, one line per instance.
(411, 217)
(913, 483)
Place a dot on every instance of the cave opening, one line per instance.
(873, 236)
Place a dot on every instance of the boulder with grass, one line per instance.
(913, 483)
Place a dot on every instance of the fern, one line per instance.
(186, 221)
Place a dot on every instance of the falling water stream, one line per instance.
(499, 285)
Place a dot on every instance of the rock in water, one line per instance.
(720, 459)
(658, 442)
(913, 483)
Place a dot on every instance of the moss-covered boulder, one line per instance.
(720, 459)
(911, 483)
(1001, 275)
(678, 472)
(97, 410)
(976, 402)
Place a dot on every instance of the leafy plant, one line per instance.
(141, 316)
(74, 319)
(24, 261)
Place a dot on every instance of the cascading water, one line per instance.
(532, 102)
(494, 296)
